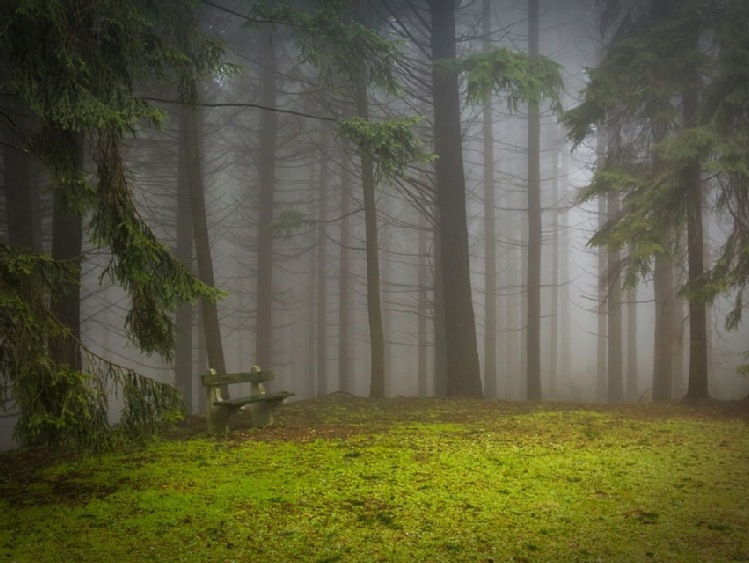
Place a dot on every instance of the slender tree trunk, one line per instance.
(267, 182)
(183, 365)
(18, 201)
(615, 384)
(698, 376)
(663, 357)
(632, 393)
(423, 308)
(601, 313)
(209, 310)
(533, 322)
(555, 273)
(344, 284)
(663, 288)
(463, 371)
(374, 305)
(67, 243)
(438, 315)
(490, 234)
(322, 274)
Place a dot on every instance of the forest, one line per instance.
(521, 200)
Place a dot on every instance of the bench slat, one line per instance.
(239, 401)
(229, 378)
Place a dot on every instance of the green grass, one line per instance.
(399, 480)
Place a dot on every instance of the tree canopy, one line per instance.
(72, 67)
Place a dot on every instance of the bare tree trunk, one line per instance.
(374, 304)
(463, 370)
(438, 316)
(344, 284)
(696, 255)
(533, 322)
(615, 384)
(266, 181)
(423, 308)
(211, 325)
(632, 392)
(490, 234)
(67, 242)
(183, 365)
(555, 273)
(601, 313)
(322, 273)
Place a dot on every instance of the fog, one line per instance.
(315, 299)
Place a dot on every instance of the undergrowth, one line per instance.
(396, 480)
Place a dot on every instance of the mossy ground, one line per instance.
(346, 479)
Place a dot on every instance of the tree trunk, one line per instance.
(211, 325)
(423, 308)
(601, 313)
(463, 371)
(183, 365)
(555, 289)
(374, 305)
(632, 393)
(438, 316)
(615, 383)
(67, 241)
(533, 321)
(321, 297)
(266, 183)
(18, 201)
(344, 284)
(697, 386)
(490, 235)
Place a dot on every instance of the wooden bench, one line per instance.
(258, 402)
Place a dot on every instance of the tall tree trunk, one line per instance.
(663, 356)
(345, 325)
(697, 386)
(267, 184)
(615, 383)
(18, 200)
(663, 289)
(632, 392)
(183, 365)
(438, 316)
(555, 289)
(533, 321)
(490, 233)
(67, 242)
(209, 310)
(422, 308)
(463, 371)
(374, 304)
(321, 299)
(601, 313)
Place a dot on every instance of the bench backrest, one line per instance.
(255, 375)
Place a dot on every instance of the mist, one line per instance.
(288, 224)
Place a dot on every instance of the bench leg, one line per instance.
(217, 416)
(261, 414)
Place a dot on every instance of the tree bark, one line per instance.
(490, 234)
(615, 383)
(321, 298)
(266, 183)
(344, 284)
(211, 325)
(67, 243)
(697, 386)
(374, 305)
(183, 365)
(463, 371)
(533, 320)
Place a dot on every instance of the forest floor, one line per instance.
(350, 479)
